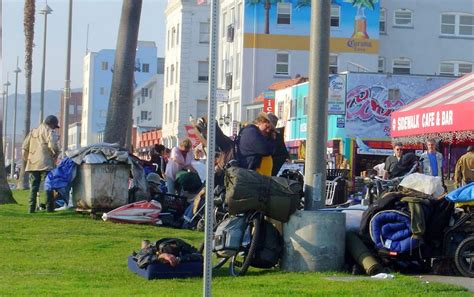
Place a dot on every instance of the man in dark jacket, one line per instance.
(257, 141)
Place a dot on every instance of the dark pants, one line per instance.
(35, 181)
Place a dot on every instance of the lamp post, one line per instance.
(17, 71)
(5, 115)
(46, 10)
(67, 87)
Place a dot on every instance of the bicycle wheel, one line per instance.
(220, 261)
(464, 257)
(240, 262)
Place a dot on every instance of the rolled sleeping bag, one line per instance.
(361, 254)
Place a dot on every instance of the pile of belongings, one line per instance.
(401, 222)
(60, 179)
(463, 196)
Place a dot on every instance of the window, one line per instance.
(401, 66)
(293, 108)
(177, 71)
(381, 67)
(203, 71)
(224, 24)
(104, 66)
(173, 36)
(166, 113)
(144, 115)
(145, 67)
(171, 74)
(283, 13)
(382, 28)
(403, 17)
(335, 15)
(150, 92)
(137, 121)
(175, 115)
(144, 92)
(71, 108)
(167, 74)
(177, 34)
(102, 91)
(457, 24)
(237, 66)
(238, 20)
(305, 105)
(282, 63)
(455, 68)
(138, 101)
(332, 64)
(168, 40)
(170, 116)
(393, 95)
(204, 32)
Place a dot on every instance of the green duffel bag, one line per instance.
(246, 190)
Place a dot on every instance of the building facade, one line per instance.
(74, 109)
(426, 37)
(265, 42)
(186, 67)
(97, 82)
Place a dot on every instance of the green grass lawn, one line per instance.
(66, 253)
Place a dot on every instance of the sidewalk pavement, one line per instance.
(465, 282)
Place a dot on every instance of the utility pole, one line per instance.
(67, 87)
(12, 167)
(46, 10)
(5, 116)
(315, 164)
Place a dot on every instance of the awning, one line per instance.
(446, 114)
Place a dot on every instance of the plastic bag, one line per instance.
(430, 185)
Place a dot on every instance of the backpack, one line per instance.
(228, 236)
(269, 247)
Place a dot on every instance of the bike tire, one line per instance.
(244, 265)
(464, 257)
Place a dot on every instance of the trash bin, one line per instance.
(101, 186)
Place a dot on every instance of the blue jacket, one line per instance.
(61, 176)
(252, 146)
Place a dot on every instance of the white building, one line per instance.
(74, 136)
(98, 72)
(148, 103)
(186, 67)
(427, 36)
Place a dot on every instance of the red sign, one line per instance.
(192, 135)
(269, 105)
(199, 2)
(436, 119)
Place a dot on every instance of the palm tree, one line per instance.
(267, 4)
(121, 97)
(6, 196)
(29, 29)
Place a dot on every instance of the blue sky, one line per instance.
(103, 17)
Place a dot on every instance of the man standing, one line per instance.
(464, 172)
(392, 160)
(40, 150)
(432, 160)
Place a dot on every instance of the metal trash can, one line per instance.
(100, 187)
(339, 176)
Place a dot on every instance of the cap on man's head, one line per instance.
(52, 121)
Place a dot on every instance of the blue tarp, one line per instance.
(462, 194)
(61, 176)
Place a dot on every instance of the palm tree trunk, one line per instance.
(121, 97)
(267, 16)
(29, 29)
(6, 196)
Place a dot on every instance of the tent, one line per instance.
(446, 114)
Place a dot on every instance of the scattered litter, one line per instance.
(383, 276)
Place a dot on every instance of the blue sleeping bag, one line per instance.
(61, 176)
(462, 194)
(390, 230)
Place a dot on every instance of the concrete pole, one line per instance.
(12, 167)
(314, 240)
(315, 164)
(211, 145)
(46, 10)
(5, 117)
(67, 86)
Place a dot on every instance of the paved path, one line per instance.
(466, 282)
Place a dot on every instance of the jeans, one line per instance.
(170, 185)
(35, 181)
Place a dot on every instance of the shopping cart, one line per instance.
(331, 189)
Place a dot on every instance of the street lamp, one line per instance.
(67, 87)
(17, 71)
(46, 10)
(5, 115)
